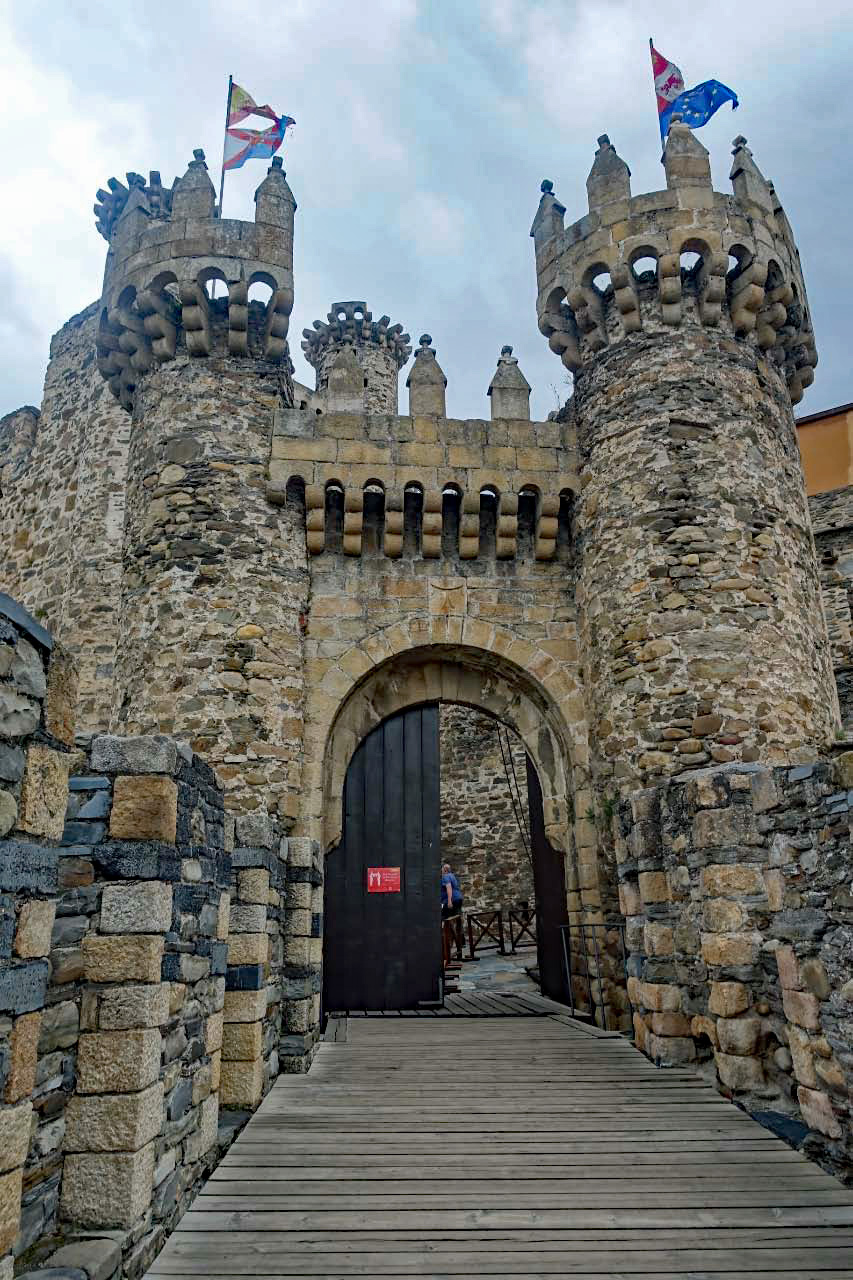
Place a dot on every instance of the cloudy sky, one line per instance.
(424, 128)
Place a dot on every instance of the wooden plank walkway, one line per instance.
(472, 1004)
(526, 1147)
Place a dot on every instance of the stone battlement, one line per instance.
(742, 274)
(165, 250)
(356, 357)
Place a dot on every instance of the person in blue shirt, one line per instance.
(451, 905)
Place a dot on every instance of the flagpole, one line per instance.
(224, 138)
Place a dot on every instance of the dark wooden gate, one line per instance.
(549, 884)
(382, 950)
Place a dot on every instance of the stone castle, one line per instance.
(218, 582)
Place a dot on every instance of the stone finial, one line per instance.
(685, 160)
(274, 202)
(609, 178)
(549, 216)
(426, 382)
(509, 390)
(193, 195)
(750, 185)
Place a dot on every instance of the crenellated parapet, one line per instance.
(686, 256)
(167, 247)
(357, 358)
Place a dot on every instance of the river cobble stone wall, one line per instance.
(215, 580)
(62, 513)
(697, 566)
(480, 810)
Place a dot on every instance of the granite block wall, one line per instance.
(736, 888)
(115, 895)
(301, 974)
(37, 694)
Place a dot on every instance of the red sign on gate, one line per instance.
(383, 879)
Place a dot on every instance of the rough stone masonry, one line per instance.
(251, 575)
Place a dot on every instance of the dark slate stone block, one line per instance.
(11, 763)
(800, 772)
(13, 612)
(166, 1195)
(179, 1099)
(97, 807)
(303, 875)
(7, 926)
(170, 968)
(84, 833)
(244, 977)
(69, 930)
(300, 988)
(798, 925)
(247, 857)
(169, 867)
(295, 1046)
(194, 1049)
(218, 959)
(230, 1124)
(23, 987)
(190, 898)
(75, 851)
(89, 784)
(174, 1045)
(28, 866)
(127, 859)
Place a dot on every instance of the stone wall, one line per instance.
(141, 1123)
(480, 835)
(37, 692)
(832, 521)
(148, 972)
(215, 580)
(62, 512)
(736, 888)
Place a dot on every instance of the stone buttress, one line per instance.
(700, 621)
(214, 578)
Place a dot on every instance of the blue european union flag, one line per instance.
(696, 106)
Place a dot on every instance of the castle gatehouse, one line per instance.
(246, 620)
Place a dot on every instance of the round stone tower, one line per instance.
(684, 319)
(214, 579)
(351, 341)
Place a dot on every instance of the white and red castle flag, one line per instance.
(695, 106)
(250, 144)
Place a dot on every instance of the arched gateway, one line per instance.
(380, 799)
